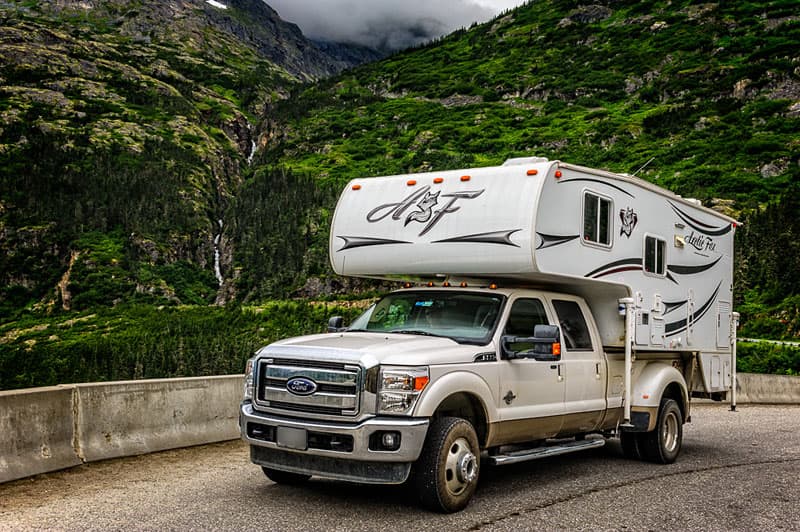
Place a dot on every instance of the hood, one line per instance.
(371, 349)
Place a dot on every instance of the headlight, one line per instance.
(399, 388)
(248, 379)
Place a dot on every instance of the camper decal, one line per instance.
(494, 237)
(617, 266)
(549, 241)
(351, 242)
(673, 305)
(678, 326)
(598, 181)
(628, 218)
(697, 225)
(425, 202)
(700, 242)
(692, 270)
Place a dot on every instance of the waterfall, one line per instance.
(217, 269)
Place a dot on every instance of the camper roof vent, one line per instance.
(516, 161)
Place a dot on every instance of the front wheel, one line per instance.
(284, 477)
(448, 468)
(663, 444)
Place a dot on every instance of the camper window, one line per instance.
(655, 251)
(596, 219)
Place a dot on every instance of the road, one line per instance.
(738, 470)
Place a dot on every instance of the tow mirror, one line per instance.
(335, 324)
(546, 344)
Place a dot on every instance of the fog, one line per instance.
(385, 24)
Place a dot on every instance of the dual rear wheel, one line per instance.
(661, 445)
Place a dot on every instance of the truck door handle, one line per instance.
(597, 371)
(560, 376)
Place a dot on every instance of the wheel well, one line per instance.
(674, 391)
(465, 406)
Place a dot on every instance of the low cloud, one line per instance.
(383, 24)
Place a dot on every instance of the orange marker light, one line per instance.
(420, 383)
(533, 171)
(557, 349)
(465, 178)
(411, 182)
(464, 284)
(558, 174)
(438, 180)
(356, 187)
(493, 286)
(645, 396)
(446, 284)
(430, 284)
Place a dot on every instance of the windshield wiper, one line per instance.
(418, 332)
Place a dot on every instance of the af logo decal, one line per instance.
(425, 211)
(628, 219)
(425, 203)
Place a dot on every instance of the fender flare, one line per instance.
(454, 383)
(650, 386)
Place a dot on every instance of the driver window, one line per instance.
(525, 315)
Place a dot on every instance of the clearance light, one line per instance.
(464, 284)
(557, 349)
(356, 187)
(407, 285)
(446, 284)
(493, 286)
(430, 284)
(465, 178)
(533, 171)
(411, 182)
(645, 396)
(558, 174)
(438, 180)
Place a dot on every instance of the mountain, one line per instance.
(126, 127)
(702, 99)
(128, 130)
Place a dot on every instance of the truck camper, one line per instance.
(547, 307)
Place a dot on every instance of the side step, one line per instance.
(545, 452)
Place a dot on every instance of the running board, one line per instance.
(545, 452)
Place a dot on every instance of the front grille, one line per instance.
(337, 387)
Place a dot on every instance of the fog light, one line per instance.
(390, 441)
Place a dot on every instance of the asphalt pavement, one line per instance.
(737, 471)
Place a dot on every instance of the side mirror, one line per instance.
(335, 324)
(546, 346)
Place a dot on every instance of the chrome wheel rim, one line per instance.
(461, 466)
(669, 432)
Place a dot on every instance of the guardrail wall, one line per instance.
(51, 428)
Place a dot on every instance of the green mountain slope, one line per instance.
(709, 92)
(125, 130)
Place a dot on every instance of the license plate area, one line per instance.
(292, 438)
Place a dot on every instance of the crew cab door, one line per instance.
(584, 367)
(530, 398)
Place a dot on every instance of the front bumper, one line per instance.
(332, 449)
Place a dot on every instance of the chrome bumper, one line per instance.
(346, 446)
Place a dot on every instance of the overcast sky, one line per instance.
(388, 24)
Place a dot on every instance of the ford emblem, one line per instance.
(301, 386)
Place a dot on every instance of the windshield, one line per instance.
(466, 317)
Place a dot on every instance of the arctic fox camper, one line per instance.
(546, 308)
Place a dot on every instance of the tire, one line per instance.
(631, 445)
(447, 470)
(284, 477)
(663, 444)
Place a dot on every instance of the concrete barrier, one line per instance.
(36, 431)
(137, 417)
(767, 389)
(46, 429)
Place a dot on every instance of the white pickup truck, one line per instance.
(547, 307)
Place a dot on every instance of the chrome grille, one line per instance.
(337, 392)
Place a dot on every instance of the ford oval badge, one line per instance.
(301, 386)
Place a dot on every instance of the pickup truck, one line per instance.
(546, 308)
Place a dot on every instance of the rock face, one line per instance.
(125, 131)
